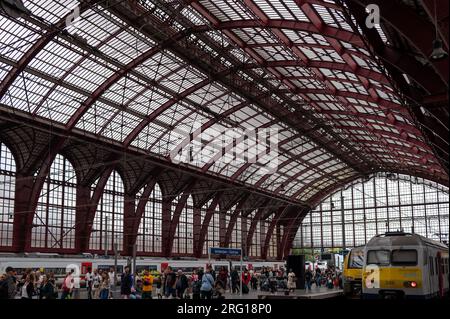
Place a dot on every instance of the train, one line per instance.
(352, 271)
(403, 265)
(59, 265)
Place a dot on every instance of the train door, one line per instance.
(85, 266)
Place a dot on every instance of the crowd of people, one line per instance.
(330, 278)
(200, 284)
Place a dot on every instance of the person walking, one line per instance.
(28, 287)
(223, 277)
(318, 277)
(104, 286)
(169, 283)
(291, 281)
(234, 281)
(126, 283)
(47, 290)
(245, 281)
(308, 279)
(89, 281)
(8, 284)
(181, 285)
(196, 285)
(206, 288)
(96, 280)
(67, 286)
(147, 285)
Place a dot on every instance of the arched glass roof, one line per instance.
(144, 74)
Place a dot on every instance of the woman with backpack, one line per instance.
(206, 288)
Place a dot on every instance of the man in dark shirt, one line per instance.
(126, 283)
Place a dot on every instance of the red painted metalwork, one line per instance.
(27, 196)
(135, 218)
(251, 231)
(38, 46)
(198, 249)
(176, 216)
(117, 76)
(277, 216)
(88, 209)
(234, 218)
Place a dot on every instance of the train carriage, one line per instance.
(403, 265)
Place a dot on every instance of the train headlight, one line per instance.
(410, 284)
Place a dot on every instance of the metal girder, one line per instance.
(313, 184)
(269, 107)
(251, 231)
(135, 220)
(287, 42)
(323, 193)
(20, 117)
(234, 218)
(377, 46)
(27, 197)
(419, 32)
(331, 65)
(290, 160)
(119, 75)
(205, 126)
(69, 71)
(330, 31)
(309, 168)
(289, 234)
(373, 96)
(269, 232)
(198, 249)
(389, 118)
(169, 238)
(92, 207)
(50, 34)
(161, 109)
(402, 136)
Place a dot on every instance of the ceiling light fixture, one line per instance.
(438, 51)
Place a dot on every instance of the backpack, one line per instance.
(207, 283)
(4, 289)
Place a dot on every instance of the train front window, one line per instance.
(378, 257)
(356, 259)
(404, 257)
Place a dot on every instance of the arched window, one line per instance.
(385, 202)
(7, 189)
(183, 242)
(236, 234)
(255, 243)
(107, 228)
(273, 243)
(54, 220)
(150, 232)
(212, 238)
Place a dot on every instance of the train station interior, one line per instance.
(305, 134)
